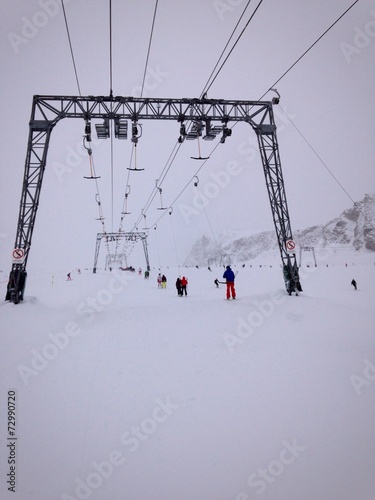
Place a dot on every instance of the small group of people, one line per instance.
(162, 281)
(181, 286)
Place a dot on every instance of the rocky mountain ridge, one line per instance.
(353, 228)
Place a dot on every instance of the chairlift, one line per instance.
(197, 181)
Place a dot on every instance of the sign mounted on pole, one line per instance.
(18, 256)
(290, 246)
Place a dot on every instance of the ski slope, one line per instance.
(127, 391)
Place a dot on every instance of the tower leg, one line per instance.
(269, 150)
(37, 148)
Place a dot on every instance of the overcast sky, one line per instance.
(329, 95)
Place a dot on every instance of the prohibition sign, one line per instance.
(18, 255)
(290, 245)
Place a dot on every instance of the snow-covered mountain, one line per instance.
(354, 228)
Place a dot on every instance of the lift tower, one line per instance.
(207, 117)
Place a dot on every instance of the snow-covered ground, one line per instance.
(127, 391)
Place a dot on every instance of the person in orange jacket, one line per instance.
(184, 283)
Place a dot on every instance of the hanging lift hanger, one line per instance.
(162, 207)
(199, 152)
(135, 168)
(87, 137)
(127, 192)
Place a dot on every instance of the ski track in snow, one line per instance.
(159, 397)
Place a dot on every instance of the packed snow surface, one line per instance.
(127, 391)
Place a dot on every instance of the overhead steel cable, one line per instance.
(110, 50)
(142, 89)
(235, 43)
(225, 48)
(71, 47)
(149, 47)
(308, 50)
(326, 167)
(287, 71)
(205, 89)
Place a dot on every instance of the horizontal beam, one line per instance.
(54, 108)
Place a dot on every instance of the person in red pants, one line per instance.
(229, 277)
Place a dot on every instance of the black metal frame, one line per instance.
(117, 237)
(48, 110)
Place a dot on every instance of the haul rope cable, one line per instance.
(271, 85)
(71, 48)
(206, 88)
(205, 159)
(326, 166)
(92, 167)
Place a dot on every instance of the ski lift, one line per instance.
(127, 192)
(145, 228)
(199, 152)
(195, 133)
(162, 207)
(89, 152)
(101, 218)
(135, 169)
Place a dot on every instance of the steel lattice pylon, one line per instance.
(209, 115)
(117, 237)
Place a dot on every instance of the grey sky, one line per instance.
(329, 96)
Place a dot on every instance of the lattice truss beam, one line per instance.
(117, 238)
(207, 117)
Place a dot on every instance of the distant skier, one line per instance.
(68, 277)
(184, 283)
(158, 279)
(216, 281)
(354, 283)
(229, 277)
(178, 287)
(163, 281)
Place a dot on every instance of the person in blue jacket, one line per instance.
(229, 277)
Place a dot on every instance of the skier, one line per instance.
(178, 287)
(216, 281)
(159, 280)
(184, 283)
(69, 278)
(163, 281)
(229, 277)
(354, 283)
